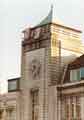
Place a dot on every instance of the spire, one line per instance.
(48, 18)
(52, 7)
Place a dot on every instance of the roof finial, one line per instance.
(48, 18)
(52, 6)
(51, 11)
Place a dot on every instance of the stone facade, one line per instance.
(9, 106)
(51, 49)
(47, 49)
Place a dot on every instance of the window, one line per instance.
(71, 108)
(67, 108)
(1, 114)
(78, 108)
(11, 114)
(35, 105)
(75, 75)
(67, 111)
(13, 85)
(82, 72)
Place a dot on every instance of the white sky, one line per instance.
(15, 15)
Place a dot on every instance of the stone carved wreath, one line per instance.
(35, 68)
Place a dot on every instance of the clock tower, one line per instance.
(47, 48)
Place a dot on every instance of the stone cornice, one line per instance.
(71, 85)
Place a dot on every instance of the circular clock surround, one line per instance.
(35, 68)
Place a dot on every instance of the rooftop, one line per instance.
(50, 19)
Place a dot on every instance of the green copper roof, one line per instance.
(47, 19)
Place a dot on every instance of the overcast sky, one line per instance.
(15, 15)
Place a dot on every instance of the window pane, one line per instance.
(82, 72)
(12, 85)
(78, 74)
(35, 105)
(75, 75)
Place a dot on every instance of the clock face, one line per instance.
(35, 68)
